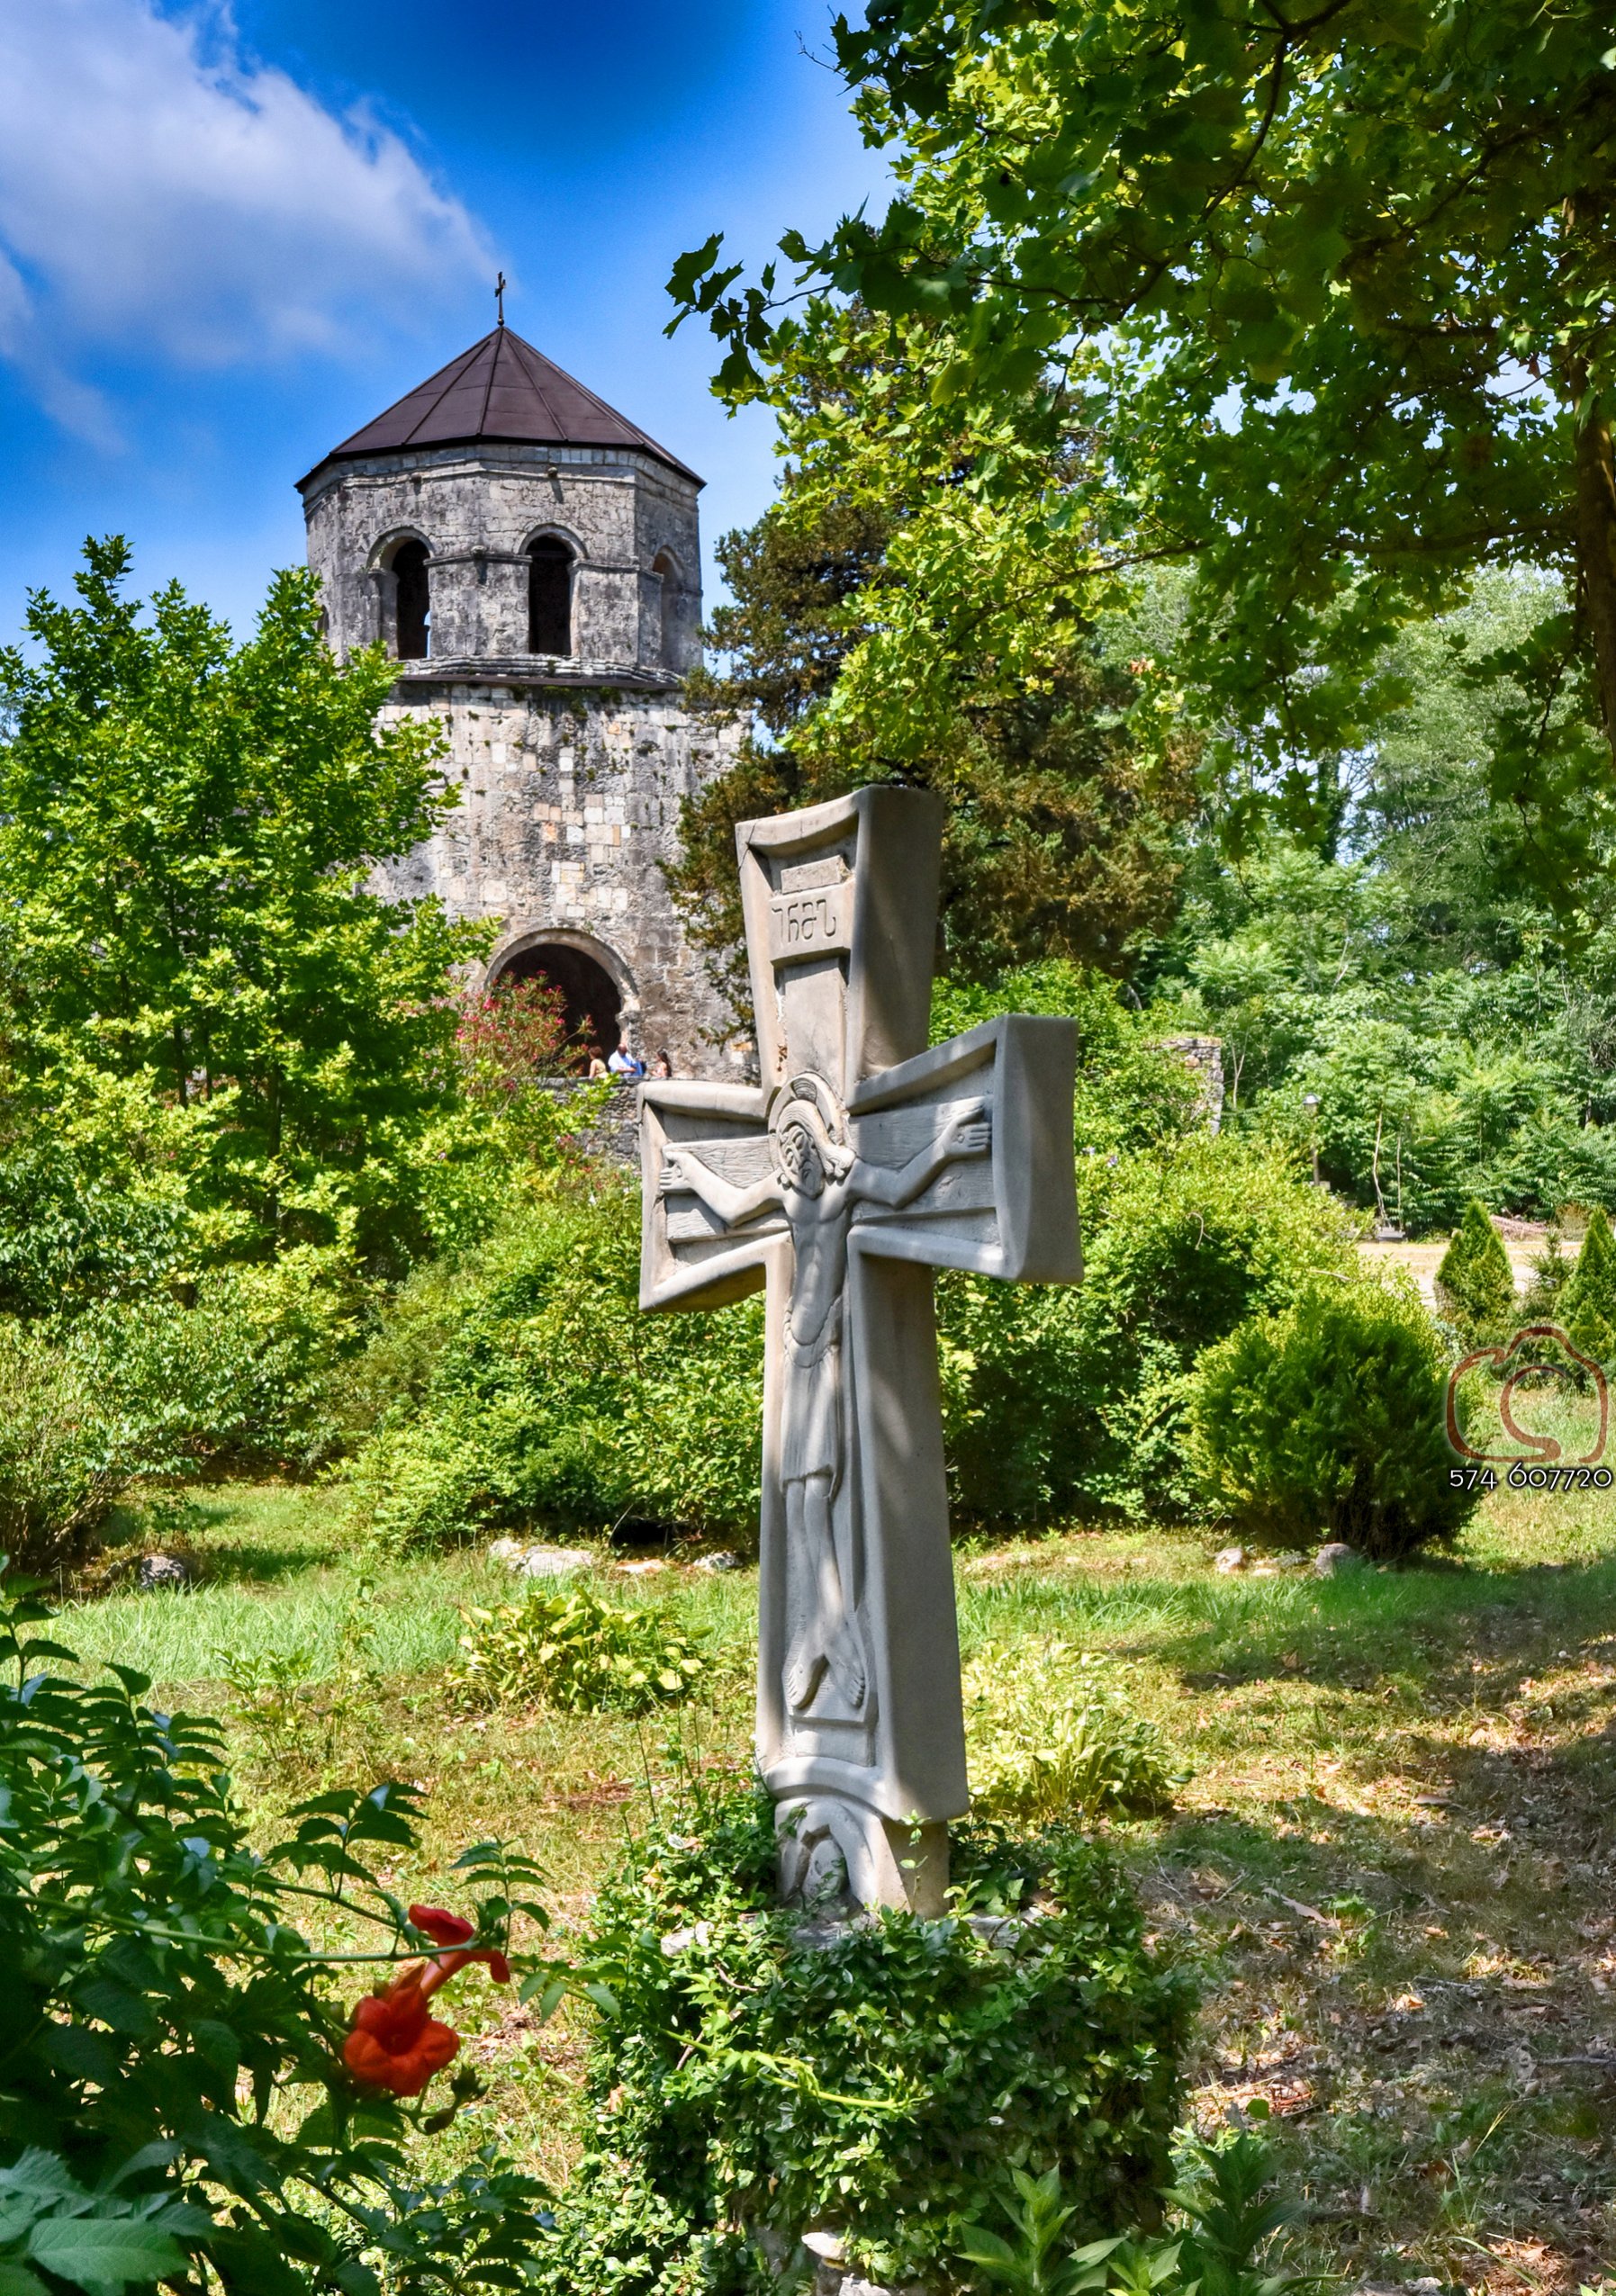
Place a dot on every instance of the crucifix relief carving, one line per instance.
(862, 1163)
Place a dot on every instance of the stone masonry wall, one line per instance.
(569, 805)
(569, 769)
(477, 511)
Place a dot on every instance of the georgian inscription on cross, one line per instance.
(862, 1163)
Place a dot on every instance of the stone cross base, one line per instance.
(830, 1843)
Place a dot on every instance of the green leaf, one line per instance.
(103, 2251)
(978, 2245)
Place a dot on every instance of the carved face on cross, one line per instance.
(863, 1162)
(809, 1158)
(800, 1153)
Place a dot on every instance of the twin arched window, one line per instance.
(549, 596)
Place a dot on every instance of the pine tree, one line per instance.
(1588, 1304)
(1476, 1282)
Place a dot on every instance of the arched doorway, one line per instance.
(595, 1003)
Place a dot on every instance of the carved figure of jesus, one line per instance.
(817, 1185)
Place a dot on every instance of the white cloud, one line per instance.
(162, 192)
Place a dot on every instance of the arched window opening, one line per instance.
(414, 607)
(668, 646)
(594, 1006)
(549, 596)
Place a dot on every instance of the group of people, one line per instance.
(624, 1063)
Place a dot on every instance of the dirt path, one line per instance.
(1422, 1260)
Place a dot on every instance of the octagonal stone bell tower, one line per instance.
(533, 560)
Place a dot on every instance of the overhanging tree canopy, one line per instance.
(1321, 300)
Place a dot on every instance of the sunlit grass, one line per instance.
(1403, 1792)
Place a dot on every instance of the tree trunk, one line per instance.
(1597, 542)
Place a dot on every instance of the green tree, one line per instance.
(188, 833)
(1475, 1281)
(1317, 302)
(1064, 781)
(1587, 1305)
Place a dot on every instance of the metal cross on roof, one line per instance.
(499, 297)
(863, 1162)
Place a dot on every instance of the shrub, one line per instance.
(145, 1388)
(1051, 1742)
(70, 1235)
(1476, 1282)
(174, 2103)
(566, 1646)
(240, 1378)
(529, 1390)
(62, 1464)
(1329, 1421)
(547, 1398)
(1587, 1305)
(747, 2086)
(1226, 2211)
(1060, 1399)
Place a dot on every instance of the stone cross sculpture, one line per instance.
(863, 1162)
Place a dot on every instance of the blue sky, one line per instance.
(231, 235)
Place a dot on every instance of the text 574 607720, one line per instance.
(1523, 1474)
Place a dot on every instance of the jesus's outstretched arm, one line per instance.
(683, 1168)
(967, 1132)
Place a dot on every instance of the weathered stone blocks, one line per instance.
(569, 769)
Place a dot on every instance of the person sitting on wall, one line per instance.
(662, 1065)
(596, 1068)
(623, 1063)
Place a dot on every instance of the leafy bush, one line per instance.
(1587, 1305)
(1328, 1421)
(145, 1388)
(1227, 2216)
(525, 1388)
(543, 1396)
(63, 1465)
(1130, 1094)
(242, 1377)
(748, 2087)
(566, 1646)
(173, 2099)
(1057, 1399)
(71, 1233)
(1476, 1282)
(1051, 1742)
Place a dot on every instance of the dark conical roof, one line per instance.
(500, 389)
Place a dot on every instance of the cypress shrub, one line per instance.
(1328, 1422)
(1587, 1305)
(1475, 1284)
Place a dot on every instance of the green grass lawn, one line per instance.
(1394, 1865)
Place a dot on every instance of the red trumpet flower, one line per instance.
(393, 2043)
(453, 1929)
